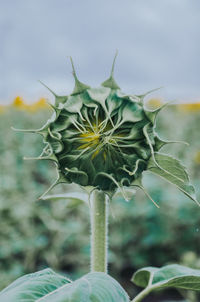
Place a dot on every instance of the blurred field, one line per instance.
(36, 234)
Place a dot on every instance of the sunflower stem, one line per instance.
(99, 230)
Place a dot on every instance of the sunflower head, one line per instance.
(102, 137)
(98, 136)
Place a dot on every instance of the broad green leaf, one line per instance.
(93, 287)
(174, 275)
(173, 171)
(32, 287)
(49, 286)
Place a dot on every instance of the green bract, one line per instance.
(101, 137)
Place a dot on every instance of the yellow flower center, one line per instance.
(96, 136)
(89, 139)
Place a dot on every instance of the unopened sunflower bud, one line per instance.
(101, 137)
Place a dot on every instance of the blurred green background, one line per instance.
(35, 234)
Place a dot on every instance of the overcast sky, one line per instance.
(158, 43)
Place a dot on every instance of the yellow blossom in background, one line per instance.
(19, 104)
(154, 103)
(197, 158)
(2, 109)
(189, 107)
(37, 106)
(42, 104)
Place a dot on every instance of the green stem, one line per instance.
(99, 229)
(142, 294)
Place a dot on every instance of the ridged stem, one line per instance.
(99, 230)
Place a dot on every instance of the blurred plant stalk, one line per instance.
(99, 231)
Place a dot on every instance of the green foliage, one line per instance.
(172, 171)
(36, 234)
(192, 260)
(177, 276)
(46, 285)
(173, 275)
(34, 286)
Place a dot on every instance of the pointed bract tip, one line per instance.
(48, 88)
(79, 86)
(24, 130)
(31, 158)
(110, 82)
(113, 64)
(73, 68)
(14, 129)
(51, 105)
